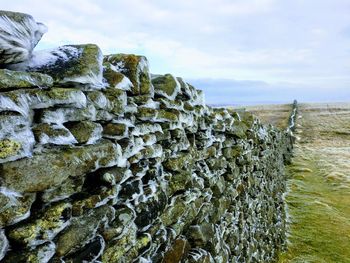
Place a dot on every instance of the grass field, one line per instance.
(318, 197)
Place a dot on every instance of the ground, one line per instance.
(318, 197)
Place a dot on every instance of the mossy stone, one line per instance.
(136, 69)
(9, 148)
(48, 224)
(166, 86)
(56, 134)
(177, 252)
(115, 129)
(15, 207)
(41, 253)
(79, 65)
(50, 168)
(20, 80)
(20, 34)
(82, 229)
(85, 131)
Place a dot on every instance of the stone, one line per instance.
(53, 134)
(98, 99)
(199, 235)
(181, 162)
(44, 228)
(115, 79)
(23, 101)
(124, 218)
(63, 115)
(20, 33)
(82, 229)
(64, 190)
(4, 244)
(177, 252)
(9, 148)
(200, 256)
(69, 65)
(115, 130)
(42, 254)
(97, 197)
(30, 175)
(10, 80)
(15, 206)
(89, 253)
(166, 86)
(136, 69)
(117, 99)
(85, 132)
(179, 181)
(16, 138)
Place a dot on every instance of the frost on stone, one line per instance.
(136, 69)
(62, 115)
(23, 101)
(53, 134)
(4, 244)
(14, 206)
(146, 128)
(166, 86)
(10, 80)
(114, 78)
(19, 35)
(70, 65)
(16, 138)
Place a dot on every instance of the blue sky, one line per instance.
(238, 51)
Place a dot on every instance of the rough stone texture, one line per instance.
(69, 65)
(172, 180)
(20, 80)
(19, 35)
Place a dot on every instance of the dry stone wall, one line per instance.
(103, 162)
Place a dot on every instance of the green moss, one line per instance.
(165, 85)
(49, 223)
(19, 80)
(9, 148)
(130, 65)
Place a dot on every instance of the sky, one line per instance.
(237, 51)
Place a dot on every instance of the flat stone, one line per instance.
(20, 33)
(82, 230)
(64, 190)
(166, 86)
(70, 65)
(115, 130)
(63, 115)
(44, 228)
(181, 162)
(177, 252)
(50, 168)
(53, 134)
(20, 80)
(114, 78)
(124, 218)
(15, 207)
(136, 69)
(16, 137)
(42, 254)
(85, 132)
(22, 101)
(117, 99)
(199, 235)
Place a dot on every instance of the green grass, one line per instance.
(319, 212)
